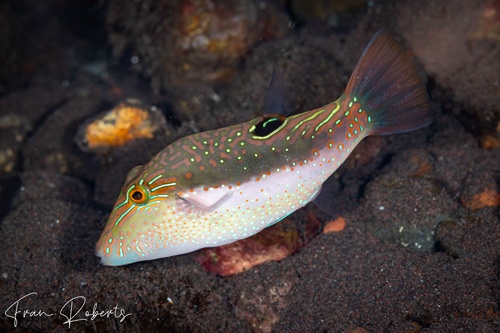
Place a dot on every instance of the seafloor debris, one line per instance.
(335, 225)
(129, 120)
(488, 198)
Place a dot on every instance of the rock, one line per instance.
(129, 120)
(407, 211)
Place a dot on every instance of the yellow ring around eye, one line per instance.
(138, 195)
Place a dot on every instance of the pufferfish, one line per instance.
(214, 188)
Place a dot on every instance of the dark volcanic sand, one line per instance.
(421, 248)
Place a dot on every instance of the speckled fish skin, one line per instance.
(216, 187)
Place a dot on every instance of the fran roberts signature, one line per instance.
(72, 311)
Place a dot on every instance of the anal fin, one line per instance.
(326, 198)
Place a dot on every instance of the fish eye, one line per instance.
(138, 196)
(268, 125)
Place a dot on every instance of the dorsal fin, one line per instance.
(278, 99)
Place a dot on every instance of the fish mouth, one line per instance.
(100, 255)
(105, 260)
(111, 258)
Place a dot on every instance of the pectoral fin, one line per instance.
(195, 205)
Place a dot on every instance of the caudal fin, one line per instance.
(386, 83)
